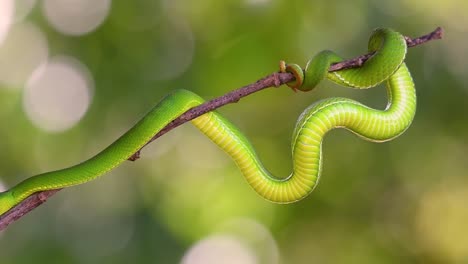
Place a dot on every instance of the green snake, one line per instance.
(374, 125)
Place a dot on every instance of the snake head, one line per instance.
(6, 202)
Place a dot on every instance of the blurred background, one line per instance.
(76, 74)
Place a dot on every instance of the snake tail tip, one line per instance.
(282, 66)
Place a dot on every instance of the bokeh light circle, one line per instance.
(2, 186)
(257, 2)
(58, 94)
(256, 236)
(7, 8)
(23, 50)
(76, 17)
(219, 249)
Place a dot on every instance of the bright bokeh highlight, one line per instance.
(58, 94)
(7, 8)
(76, 17)
(219, 249)
(24, 49)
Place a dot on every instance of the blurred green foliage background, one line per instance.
(74, 75)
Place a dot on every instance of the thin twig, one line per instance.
(358, 61)
(273, 80)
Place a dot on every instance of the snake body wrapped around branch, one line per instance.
(386, 65)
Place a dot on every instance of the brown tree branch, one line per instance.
(273, 80)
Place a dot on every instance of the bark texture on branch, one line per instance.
(273, 80)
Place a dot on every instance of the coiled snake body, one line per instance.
(370, 124)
